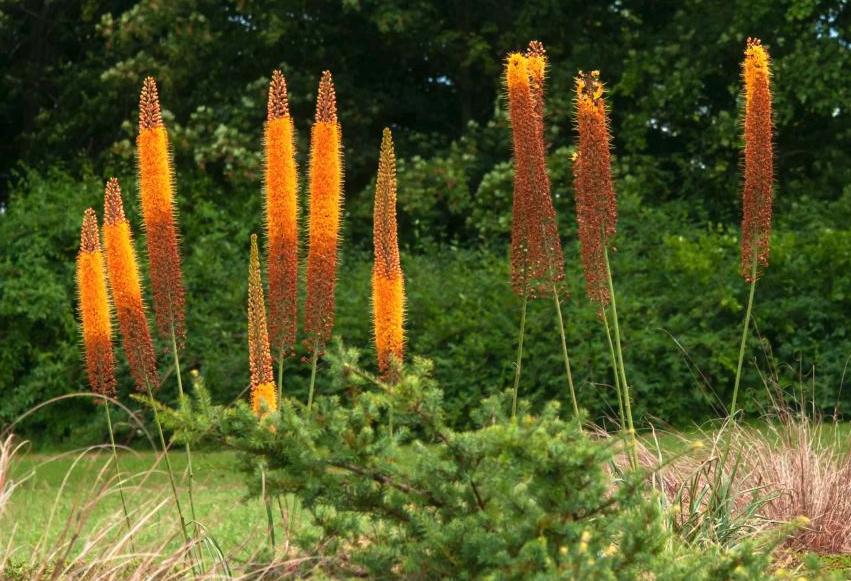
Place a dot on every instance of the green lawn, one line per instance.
(65, 485)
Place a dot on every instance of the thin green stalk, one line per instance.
(188, 451)
(313, 362)
(168, 465)
(617, 380)
(745, 328)
(270, 523)
(281, 374)
(118, 473)
(564, 351)
(519, 364)
(619, 351)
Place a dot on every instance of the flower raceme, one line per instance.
(123, 269)
(537, 262)
(260, 360)
(759, 161)
(596, 208)
(326, 193)
(156, 186)
(94, 308)
(281, 179)
(388, 285)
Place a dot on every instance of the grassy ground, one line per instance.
(58, 490)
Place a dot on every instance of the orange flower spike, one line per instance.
(123, 270)
(759, 161)
(94, 309)
(524, 211)
(596, 208)
(262, 381)
(156, 186)
(326, 196)
(388, 285)
(281, 176)
(550, 255)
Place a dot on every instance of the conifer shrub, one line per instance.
(531, 498)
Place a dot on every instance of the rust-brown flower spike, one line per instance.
(536, 256)
(388, 285)
(596, 209)
(326, 197)
(94, 309)
(759, 161)
(123, 269)
(281, 176)
(260, 360)
(156, 187)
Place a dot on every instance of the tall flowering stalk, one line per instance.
(260, 359)
(388, 285)
(326, 197)
(281, 178)
(596, 213)
(97, 328)
(156, 188)
(537, 263)
(759, 179)
(123, 269)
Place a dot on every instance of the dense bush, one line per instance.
(527, 499)
(682, 302)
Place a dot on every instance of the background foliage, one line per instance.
(71, 73)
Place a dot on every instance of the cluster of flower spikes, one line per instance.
(596, 208)
(388, 285)
(156, 187)
(123, 269)
(537, 262)
(260, 360)
(94, 308)
(326, 196)
(759, 161)
(281, 179)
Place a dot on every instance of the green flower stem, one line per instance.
(745, 328)
(313, 363)
(188, 451)
(519, 363)
(564, 351)
(118, 472)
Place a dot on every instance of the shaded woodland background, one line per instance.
(71, 72)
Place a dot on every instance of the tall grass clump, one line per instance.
(281, 201)
(326, 199)
(596, 214)
(388, 284)
(759, 180)
(537, 262)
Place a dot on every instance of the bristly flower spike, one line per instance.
(596, 208)
(94, 309)
(260, 360)
(326, 197)
(123, 269)
(156, 187)
(759, 161)
(388, 285)
(281, 177)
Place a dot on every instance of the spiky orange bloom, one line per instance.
(759, 161)
(123, 269)
(536, 257)
(388, 285)
(156, 186)
(326, 196)
(262, 382)
(94, 308)
(281, 217)
(596, 209)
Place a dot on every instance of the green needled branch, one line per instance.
(519, 363)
